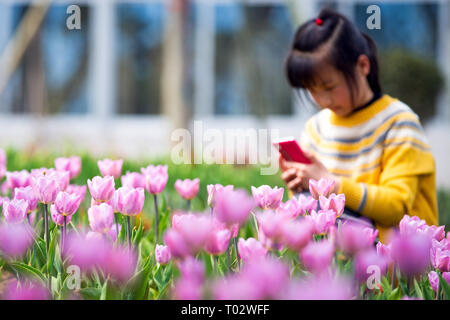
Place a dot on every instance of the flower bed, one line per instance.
(110, 235)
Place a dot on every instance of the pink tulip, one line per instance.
(297, 206)
(308, 204)
(333, 202)
(410, 225)
(15, 211)
(213, 189)
(384, 250)
(195, 230)
(4, 188)
(270, 276)
(155, 170)
(322, 220)
(3, 200)
(320, 287)
(187, 289)
(411, 253)
(236, 287)
(162, 254)
(62, 177)
(323, 187)
(234, 229)
(233, 206)
(267, 242)
(440, 258)
(85, 252)
(92, 235)
(15, 239)
(251, 249)
(317, 256)
(271, 224)
(29, 290)
(446, 276)
(129, 201)
(101, 189)
(80, 191)
(111, 202)
(444, 244)
(218, 241)
(191, 268)
(27, 194)
(353, 237)
(266, 197)
(156, 178)
(120, 263)
(133, 180)
(17, 179)
(433, 232)
(433, 278)
(114, 231)
(66, 204)
(110, 167)
(72, 165)
(297, 234)
(187, 188)
(57, 217)
(365, 260)
(46, 188)
(176, 244)
(155, 184)
(101, 218)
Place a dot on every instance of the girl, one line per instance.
(371, 144)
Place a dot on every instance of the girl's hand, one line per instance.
(296, 175)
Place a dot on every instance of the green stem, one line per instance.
(64, 232)
(117, 226)
(155, 198)
(229, 257)
(129, 231)
(256, 223)
(188, 207)
(393, 277)
(237, 253)
(47, 235)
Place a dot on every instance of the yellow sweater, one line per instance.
(382, 158)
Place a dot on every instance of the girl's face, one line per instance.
(331, 91)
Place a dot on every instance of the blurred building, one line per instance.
(139, 69)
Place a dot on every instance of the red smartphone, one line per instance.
(290, 150)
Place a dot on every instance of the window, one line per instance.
(139, 53)
(52, 74)
(252, 42)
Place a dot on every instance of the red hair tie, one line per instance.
(319, 21)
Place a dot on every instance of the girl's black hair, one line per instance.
(336, 41)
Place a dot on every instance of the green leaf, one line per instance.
(417, 289)
(386, 285)
(104, 292)
(396, 294)
(90, 293)
(445, 286)
(139, 282)
(427, 290)
(51, 252)
(26, 270)
(123, 231)
(138, 235)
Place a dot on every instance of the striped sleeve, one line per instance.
(406, 156)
